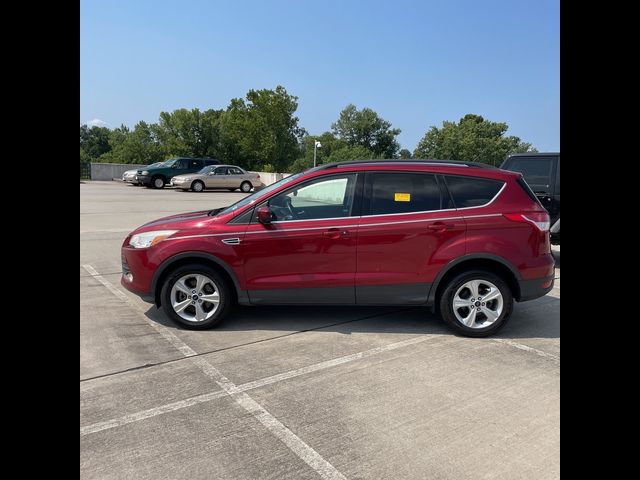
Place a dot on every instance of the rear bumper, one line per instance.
(532, 289)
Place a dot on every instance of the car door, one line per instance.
(308, 253)
(235, 177)
(180, 167)
(195, 165)
(218, 179)
(408, 231)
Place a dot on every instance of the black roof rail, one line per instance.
(455, 163)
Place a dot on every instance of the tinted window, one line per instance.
(211, 162)
(403, 193)
(195, 164)
(472, 191)
(536, 171)
(184, 163)
(235, 171)
(221, 171)
(321, 198)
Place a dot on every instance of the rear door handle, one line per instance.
(336, 233)
(440, 226)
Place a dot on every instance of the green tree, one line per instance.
(471, 139)
(261, 130)
(94, 142)
(404, 153)
(137, 146)
(367, 129)
(189, 133)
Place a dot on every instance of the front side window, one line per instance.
(221, 171)
(472, 191)
(321, 198)
(403, 193)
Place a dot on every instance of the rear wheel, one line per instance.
(157, 182)
(197, 186)
(196, 297)
(477, 303)
(245, 187)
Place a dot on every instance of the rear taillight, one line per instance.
(538, 219)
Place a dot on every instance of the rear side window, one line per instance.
(472, 191)
(195, 164)
(403, 193)
(235, 171)
(536, 171)
(523, 184)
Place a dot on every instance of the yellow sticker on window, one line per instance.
(402, 197)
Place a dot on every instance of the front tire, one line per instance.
(196, 297)
(157, 182)
(197, 186)
(476, 303)
(246, 187)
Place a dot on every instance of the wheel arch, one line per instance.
(203, 258)
(485, 261)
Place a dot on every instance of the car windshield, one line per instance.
(169, 162)
(254, 197)
(207, 169)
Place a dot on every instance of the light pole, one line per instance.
(316, 145)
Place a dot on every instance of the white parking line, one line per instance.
(295, 444)
(526, 348)
(172, 407)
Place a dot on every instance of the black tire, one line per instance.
(246, 186)
(197, 184)
(222, 287)
(445, 303)
(155, 182)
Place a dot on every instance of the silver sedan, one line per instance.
(218, 176)
(130, 176)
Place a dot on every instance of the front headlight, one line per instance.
(145, 172)
(149, 239)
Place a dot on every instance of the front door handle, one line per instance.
(440, 226)
(335, 233)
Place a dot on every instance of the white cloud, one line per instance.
(96, 122)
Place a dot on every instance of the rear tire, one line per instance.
(195, 314)
(246, 186)
(464, 307)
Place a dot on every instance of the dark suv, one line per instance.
(466, 238)
(542, 172)
(158, 177)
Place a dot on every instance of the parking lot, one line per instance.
(301, 392)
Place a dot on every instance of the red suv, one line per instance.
(465, 238)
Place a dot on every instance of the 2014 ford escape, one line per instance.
(464, 238)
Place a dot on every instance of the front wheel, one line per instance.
(197, 186)
(158, 182)
(477, 303)
(245, 187)
(196, 297)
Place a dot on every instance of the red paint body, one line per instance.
(353, 252)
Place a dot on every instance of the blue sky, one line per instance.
(416, 63)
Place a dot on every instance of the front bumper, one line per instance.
(144, 179)
(180, 183)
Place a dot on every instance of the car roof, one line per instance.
(449, 167)
(535, 154)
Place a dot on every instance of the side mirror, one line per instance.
(264, 215)
(211, 173)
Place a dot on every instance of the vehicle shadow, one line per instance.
(536, 319)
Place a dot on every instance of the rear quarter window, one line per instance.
(472, 191)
